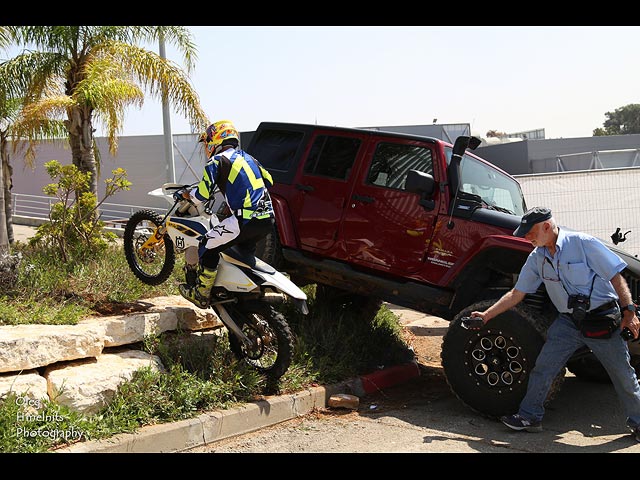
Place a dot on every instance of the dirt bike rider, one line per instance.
(251, 215)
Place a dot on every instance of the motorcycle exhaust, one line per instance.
(274, 298)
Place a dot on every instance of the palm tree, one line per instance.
(6, 231)
(85, 73)
(14, 127)
(7, 109)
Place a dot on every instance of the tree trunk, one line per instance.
(81, 140)
(7, 172)
(4, 237)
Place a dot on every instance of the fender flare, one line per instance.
(508, 243)
(284, 225)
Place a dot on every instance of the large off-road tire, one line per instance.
(269, 249)
(488, 369)
(589, 368)
(271, 351)
(153, 265)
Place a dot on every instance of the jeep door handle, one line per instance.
(363, 199)
(305, 188)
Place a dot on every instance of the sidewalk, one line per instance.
(22, 233)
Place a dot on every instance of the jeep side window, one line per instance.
(332, 156)
(276, 149)
(392, 161)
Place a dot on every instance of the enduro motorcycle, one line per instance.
(244, 289)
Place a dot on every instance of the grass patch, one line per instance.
(48, 291)
(339, 343)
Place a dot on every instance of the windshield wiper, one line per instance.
(497, 208)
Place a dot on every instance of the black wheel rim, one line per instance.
(149, 261)
(496, 360)
(263, 351)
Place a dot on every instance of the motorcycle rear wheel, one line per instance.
(152, 265)
(271, 350)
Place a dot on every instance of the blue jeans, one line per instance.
(563, 338)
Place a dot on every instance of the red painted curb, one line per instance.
(389, 377)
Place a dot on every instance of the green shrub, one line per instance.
(75, 230)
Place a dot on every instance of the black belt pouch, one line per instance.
(597, 325)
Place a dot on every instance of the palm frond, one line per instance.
(28, 74)
(162, 78)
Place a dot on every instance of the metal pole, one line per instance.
(166, 123)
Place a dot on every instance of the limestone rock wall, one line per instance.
(68, 364)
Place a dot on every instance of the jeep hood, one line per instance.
(511, 222)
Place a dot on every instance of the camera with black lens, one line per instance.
(580, 304)
(472, 323)
(626, 334)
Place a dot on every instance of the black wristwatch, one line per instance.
(631, 307)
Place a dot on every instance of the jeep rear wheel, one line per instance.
(269, 249)
(587, 367)
(488, 369)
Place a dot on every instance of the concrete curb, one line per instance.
(220, 424)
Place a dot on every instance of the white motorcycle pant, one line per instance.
(222, 232)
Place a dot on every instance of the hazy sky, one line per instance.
(562, 79)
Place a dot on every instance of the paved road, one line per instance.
(23, 232)
(422, 416)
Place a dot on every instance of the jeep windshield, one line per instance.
(495, 189)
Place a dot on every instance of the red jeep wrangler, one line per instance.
(417, 222)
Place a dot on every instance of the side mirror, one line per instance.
(423, 184)
(419, 182)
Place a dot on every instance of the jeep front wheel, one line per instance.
(488, 369)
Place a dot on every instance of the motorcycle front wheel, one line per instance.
(151, 260)
(271, 348)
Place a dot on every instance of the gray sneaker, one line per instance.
(516, 422)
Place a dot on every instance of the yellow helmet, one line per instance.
(216, 133)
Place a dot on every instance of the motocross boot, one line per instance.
(199, 294)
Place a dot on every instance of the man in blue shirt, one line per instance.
(572, 265)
